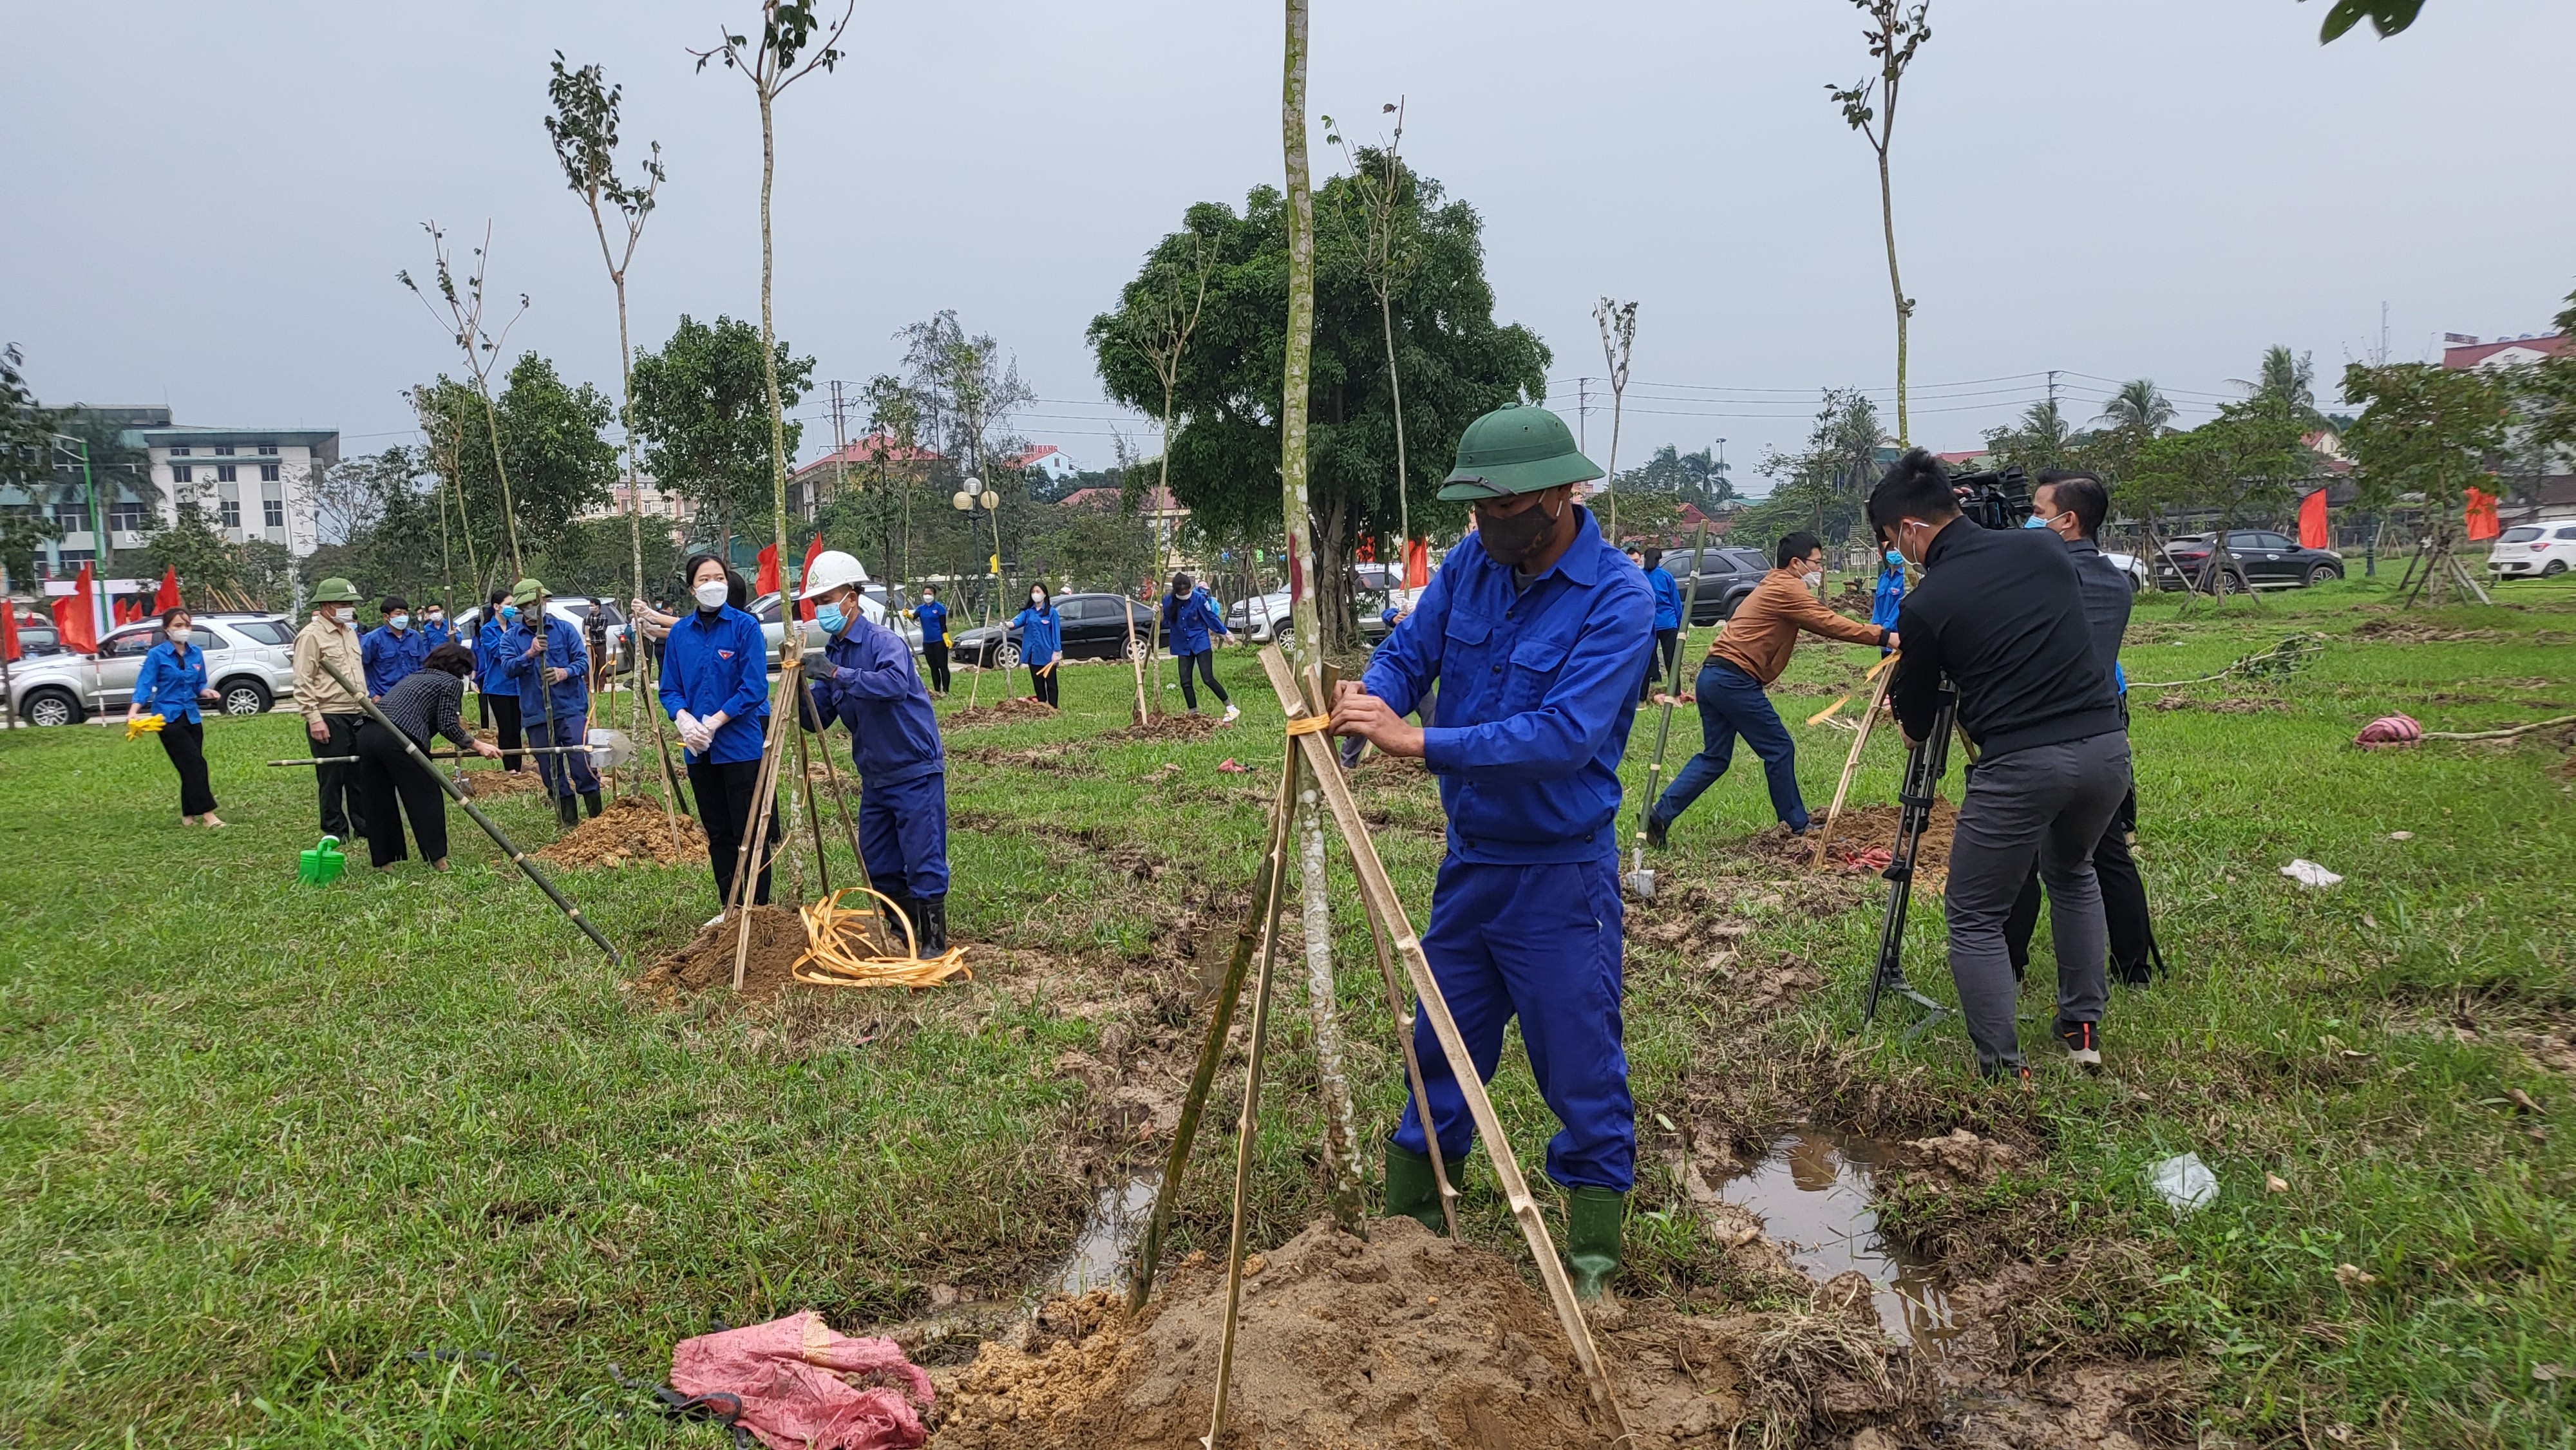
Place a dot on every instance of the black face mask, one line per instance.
(1508, 540)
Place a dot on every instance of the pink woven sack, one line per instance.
(2387, 731)
(788, 1375)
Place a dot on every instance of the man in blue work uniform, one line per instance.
(868, 683)
(392, 650)
(1536, 631)
(545, 658)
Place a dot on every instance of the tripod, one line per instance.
(1923, 768)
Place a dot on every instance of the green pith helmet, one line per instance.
(1516, 449)
(335, 590)
(526, 591)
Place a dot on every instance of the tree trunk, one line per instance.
(1395, 392)
(1895, 284)
(1341, 1137)
(791, 635)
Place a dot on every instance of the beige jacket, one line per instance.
(316, 693)
(1762, 632)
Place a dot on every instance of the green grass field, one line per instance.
(398, 1161)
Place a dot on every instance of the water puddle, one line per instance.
(1814, 1194)
(1118, 1218)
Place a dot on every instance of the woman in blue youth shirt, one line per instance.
(1668, 621)
(1189, 614)
(495, 692)
(933, 616)
(1890, 594)
(171, 682)
(1041, 642)
(715, 684)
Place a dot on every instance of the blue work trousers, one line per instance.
(1542, 943)
(1732, 703)
(565, 775)
(903, 836)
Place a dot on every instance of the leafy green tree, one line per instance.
(2138, 404)
(2289, 381)
(2040, 438)
(2248, 460)
(2546, 396)
(559, 466)
(1457, 364)
(1690, 477)
(1822, 486)
(2425, 430)
(26, 442)
(701, 405)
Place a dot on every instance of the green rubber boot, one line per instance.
(1593, 1218)
(1411, 1190)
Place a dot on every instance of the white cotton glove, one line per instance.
(691, 731)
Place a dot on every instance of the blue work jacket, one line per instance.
(1890, 596)
(563, 651)
(167, 684)
(1041, 634)
(1537, 691)
(715, 663)
(489, 676)
(934, 622)
(1186, 622)
(438, 632)
(1668, 598)
(869, 684)
(389, 657)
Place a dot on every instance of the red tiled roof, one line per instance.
(2457, 358)
(868, 450)
(1032, 455)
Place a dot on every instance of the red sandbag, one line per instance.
(2389, 730)
(788, 1374)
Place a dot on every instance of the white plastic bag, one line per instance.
(2184, 1183)
(2311, 875)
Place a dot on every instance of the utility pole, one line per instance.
(2052, 393)
(840, 446)
(1582, 414)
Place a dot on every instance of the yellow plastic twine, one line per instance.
(840, 949)
(142, 725)
(1827, 713)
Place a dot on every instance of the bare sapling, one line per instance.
(1168, 314)
(1618, 337)
(1894, 34)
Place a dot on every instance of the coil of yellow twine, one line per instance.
(841, 949)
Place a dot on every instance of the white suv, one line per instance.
(2534, 551)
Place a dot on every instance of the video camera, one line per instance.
(1998, 499)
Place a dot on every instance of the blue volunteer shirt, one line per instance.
(1668, 598)
(1889, 598)
(1537, 693)
(1041, 634)
(390, 657)
(934, 623)
(437, 632)
(489, 675)
(714, 664)
(1186, 622)
(168, 683)
(570, 697)
(869, 684)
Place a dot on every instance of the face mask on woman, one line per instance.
(711, 595)
(510, 613)
(1037, 601)
(182, 636)
(929, 598)
(1895, 560)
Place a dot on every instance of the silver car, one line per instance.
(250, 662)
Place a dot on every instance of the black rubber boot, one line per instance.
(1411, 1190)
(567, 810)
(930, 922)
(1593, 1220)
(591, 802)
(909, 910)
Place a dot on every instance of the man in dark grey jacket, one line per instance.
(2072, 504)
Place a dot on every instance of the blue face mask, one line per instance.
(510, 613)
(831, 618)
(1895, 560)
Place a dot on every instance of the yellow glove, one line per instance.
(142, 725)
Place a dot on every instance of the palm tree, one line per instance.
(2139, 405)
(2288, 380)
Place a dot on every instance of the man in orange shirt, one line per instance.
(1750, 653)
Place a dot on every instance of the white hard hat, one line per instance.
(832, 570)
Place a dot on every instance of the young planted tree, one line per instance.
(1618, 337)
(2426, 431)
(1380, 182)
(584, 130)
(1894, 34)
(1162, 314)
(2249, 459)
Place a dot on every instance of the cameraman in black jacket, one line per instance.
(1999, 615)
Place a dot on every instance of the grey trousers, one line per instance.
(2049, 803)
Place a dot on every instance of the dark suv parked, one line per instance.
(2255, 557)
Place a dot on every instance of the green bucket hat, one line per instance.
(1516, 449)
(335, 590)
(526, 591)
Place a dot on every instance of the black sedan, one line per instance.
(1095, 628)
(2256, 558)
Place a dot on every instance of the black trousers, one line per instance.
(501, 712)
(2124, 902)
(727, 796)
(935, 655)
(1042, 682)
(185, 743)
(1203, 664)
(344, 814)
(1659, 662)
(392, 785)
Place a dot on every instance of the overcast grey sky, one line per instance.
(209, 203)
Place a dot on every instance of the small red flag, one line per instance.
(74, 618)
(766, 580)
(805, 607)
(2480, 515)
(2312, 520)
(9, 649)
(168, 598)
(1417, 564)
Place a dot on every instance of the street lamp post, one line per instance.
(975, 500)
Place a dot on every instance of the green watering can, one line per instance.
(321, 864)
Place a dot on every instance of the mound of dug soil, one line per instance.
(1408, 1342)
(1856, 831)
(706, 963)
(1169, 727)
(630, 829)
(486, 785)
(1015, 708)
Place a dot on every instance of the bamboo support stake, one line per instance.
(1135, 656)
(767, 799)
(813, 811)
(1453, 1047)
(1229, 990)
(1851, 762)
(457, 793)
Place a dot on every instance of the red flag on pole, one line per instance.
(766, 580)
(75, 616)
(805, 571)
(2480, 515)
(168, 598)
(1417, 564)
(9, 649)
(2312, 520)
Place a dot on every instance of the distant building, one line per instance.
(2462, 351)
(251, 483)
(1046, 458)
(811, 486)
(651, 502)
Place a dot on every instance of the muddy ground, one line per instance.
(630, 828)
